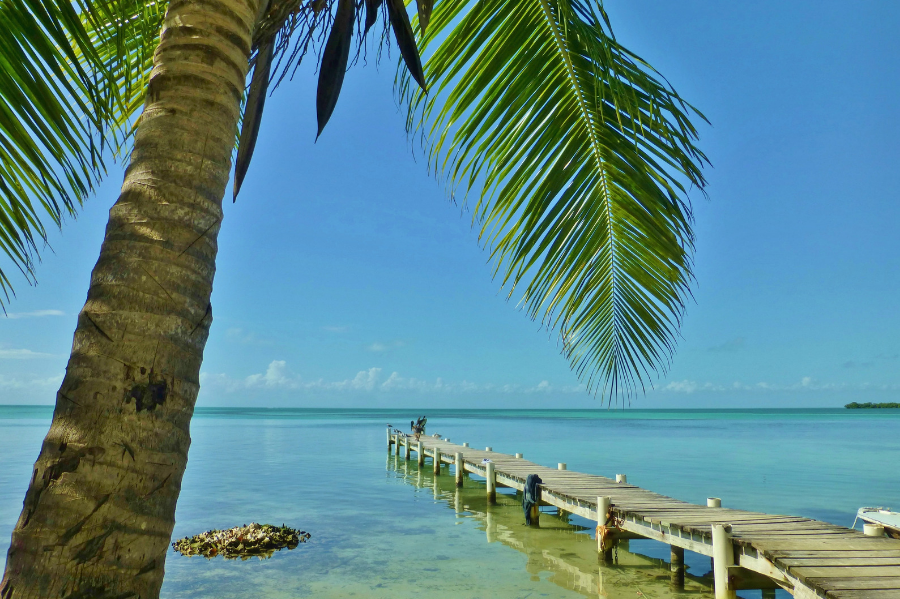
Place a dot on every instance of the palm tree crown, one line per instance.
(577, 154)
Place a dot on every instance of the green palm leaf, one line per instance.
(72, 74)
(581, 154)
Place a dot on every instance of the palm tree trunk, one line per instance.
(100, 508)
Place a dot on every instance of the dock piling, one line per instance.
(465, 444)
(436, 461)
(604, 544)
(397, 444)
(561, 466)
(491, 480)
(389, 438)
(488, 449)
(406, 448)
(723, 559)
(639, 513)
(676, 566)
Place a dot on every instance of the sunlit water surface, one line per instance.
(382, 528)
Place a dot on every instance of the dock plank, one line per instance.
(830, 560)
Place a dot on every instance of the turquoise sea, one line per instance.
(382, 528)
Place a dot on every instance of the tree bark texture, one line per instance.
(100, 507)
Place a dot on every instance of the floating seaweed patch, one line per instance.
(260, 540)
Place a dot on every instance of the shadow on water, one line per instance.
(563, 552)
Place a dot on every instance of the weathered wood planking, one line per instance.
(808, 557)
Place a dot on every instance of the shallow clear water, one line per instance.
(381, 528)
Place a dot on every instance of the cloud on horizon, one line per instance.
(22, 354)
(278, 377)
(805, 384)
(35, 314)
(40, 384)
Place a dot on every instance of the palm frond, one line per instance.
(71, 76)
(580, 155)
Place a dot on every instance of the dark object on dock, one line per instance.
(418, 427)
(531, 498)
(261, 540)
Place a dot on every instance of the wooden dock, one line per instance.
(806, 557)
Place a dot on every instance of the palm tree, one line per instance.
(577, 155)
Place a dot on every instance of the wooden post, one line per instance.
(421, 455)
(713, 502)
(603, 551)
(621, 478)
(437, 461)
(561, 466)
(873, 530)
(460, 469)
(723, 558)
(465, 444)
(491, 480)
(406, 447)
(389, 438)
(397, 444)
(519, 456)
(676, 567)
(488, 449)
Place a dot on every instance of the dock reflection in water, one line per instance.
(565, 553)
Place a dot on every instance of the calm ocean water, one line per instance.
(381, 528)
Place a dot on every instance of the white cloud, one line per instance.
(35, 314)
(22, 354)
(278, 376)
(688, 387)
(42, 384)
(805, 383)
(275, 376)
(364, 380)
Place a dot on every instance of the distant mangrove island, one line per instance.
(858, 406)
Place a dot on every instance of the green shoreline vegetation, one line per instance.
(867, 405)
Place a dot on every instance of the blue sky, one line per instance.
(346, 277)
